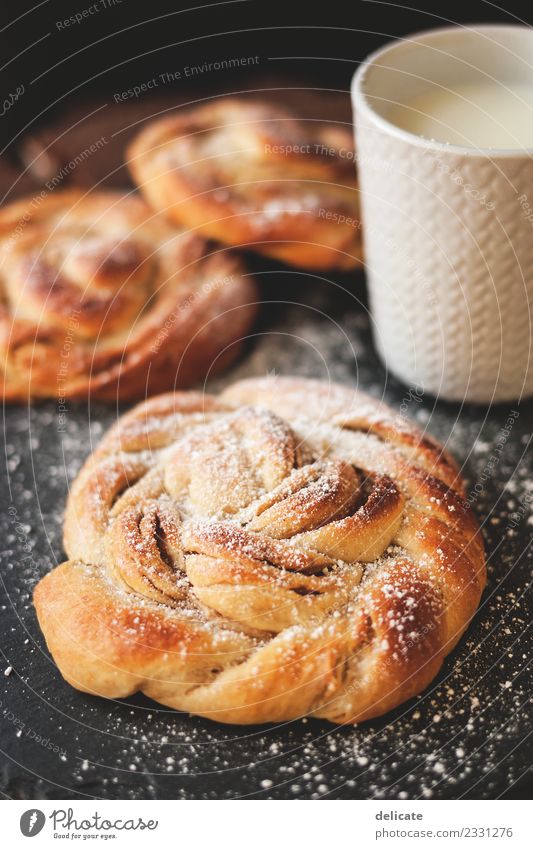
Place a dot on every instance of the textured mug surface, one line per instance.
(448, 231)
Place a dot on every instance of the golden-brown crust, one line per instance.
(288, 548)
(100, 296)
(250, 174)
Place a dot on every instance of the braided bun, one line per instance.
(287, 548)
(100, 295)
(253, 175)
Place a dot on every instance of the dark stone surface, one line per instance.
(464, 737)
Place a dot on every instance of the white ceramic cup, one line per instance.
(448, 230)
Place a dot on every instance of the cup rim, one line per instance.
(360, 102)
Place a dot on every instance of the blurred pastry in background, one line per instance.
(252, 175)
(102, 297)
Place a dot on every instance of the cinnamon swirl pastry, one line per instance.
(286, 548)
(255, 176)
(101, 296)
